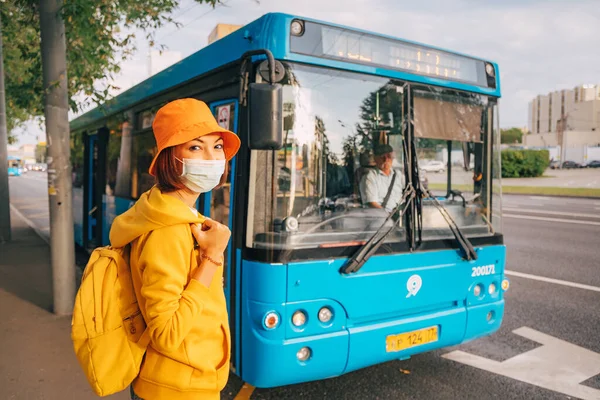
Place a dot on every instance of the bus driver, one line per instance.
(381, 187)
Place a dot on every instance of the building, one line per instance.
(580, 108)
(220, 31)
(27, 152)
(13, 151)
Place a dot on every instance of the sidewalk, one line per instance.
(36, 354)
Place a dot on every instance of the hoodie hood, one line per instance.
(153, 210)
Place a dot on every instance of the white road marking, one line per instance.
(556, 365)
(552, 280)
(566, 221)
(567, 214)
(37, 230)
(33, 206)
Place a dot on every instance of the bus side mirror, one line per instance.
(266, 117)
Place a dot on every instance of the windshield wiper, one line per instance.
(368, 249)
(465, 244)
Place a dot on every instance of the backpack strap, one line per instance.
(389, 192)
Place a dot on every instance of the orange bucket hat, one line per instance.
(183, 120)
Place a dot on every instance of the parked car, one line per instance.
(593, 164)
(434, 166)
(40, 167)
(554, 164)
(571, 165)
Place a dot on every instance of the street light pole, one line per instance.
(562, 126)
(54, 68)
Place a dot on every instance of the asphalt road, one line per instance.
(29, 195)
(553, 247)
(564, 178)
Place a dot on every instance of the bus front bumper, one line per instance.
(269, 362)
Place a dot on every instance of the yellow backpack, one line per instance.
(108, 330)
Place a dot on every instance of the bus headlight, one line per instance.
(299, 318)
(492, 288)
(505, 285)
(297, 28)
(477, 290)
(271, 320)
(325, 315)
(303, 354)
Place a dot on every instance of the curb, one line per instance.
(31, 224)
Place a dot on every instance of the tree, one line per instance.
(53, 48)
(100, 36)
(380, 111)
(511, 136)
(40, 152)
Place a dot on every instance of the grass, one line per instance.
(533, 190)
(552, 191)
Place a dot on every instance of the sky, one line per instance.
(540, 45)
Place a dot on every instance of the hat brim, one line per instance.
(231, 141)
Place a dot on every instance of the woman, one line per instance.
(177, 257)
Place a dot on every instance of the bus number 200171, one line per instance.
(485, 270)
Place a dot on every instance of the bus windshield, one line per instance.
(455, 146)
(343, 157)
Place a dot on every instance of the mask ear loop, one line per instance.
(182, 167)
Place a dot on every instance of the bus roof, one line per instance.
(14, 158)
(266, 33)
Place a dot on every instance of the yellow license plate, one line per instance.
(407, 340)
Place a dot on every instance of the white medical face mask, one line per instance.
(202, 176)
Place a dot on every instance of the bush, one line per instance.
(524, 163)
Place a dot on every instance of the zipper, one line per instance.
(132, 329)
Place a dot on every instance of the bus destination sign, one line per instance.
(345, 45)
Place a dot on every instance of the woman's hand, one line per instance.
(212, 238)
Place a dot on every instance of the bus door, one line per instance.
(218, 204)
(93, 188)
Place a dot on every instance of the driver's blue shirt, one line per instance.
(374, 187)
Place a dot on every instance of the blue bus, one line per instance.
(319, 283)
(15, 166)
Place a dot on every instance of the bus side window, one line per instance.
(77, 149)
(112, 155)
(219, 207)
(144, 149)
(220, 197)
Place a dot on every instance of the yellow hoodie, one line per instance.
(188, 356)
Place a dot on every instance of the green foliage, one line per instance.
(40, 153)
(524, 163)
(511, 136)
(97, 44)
